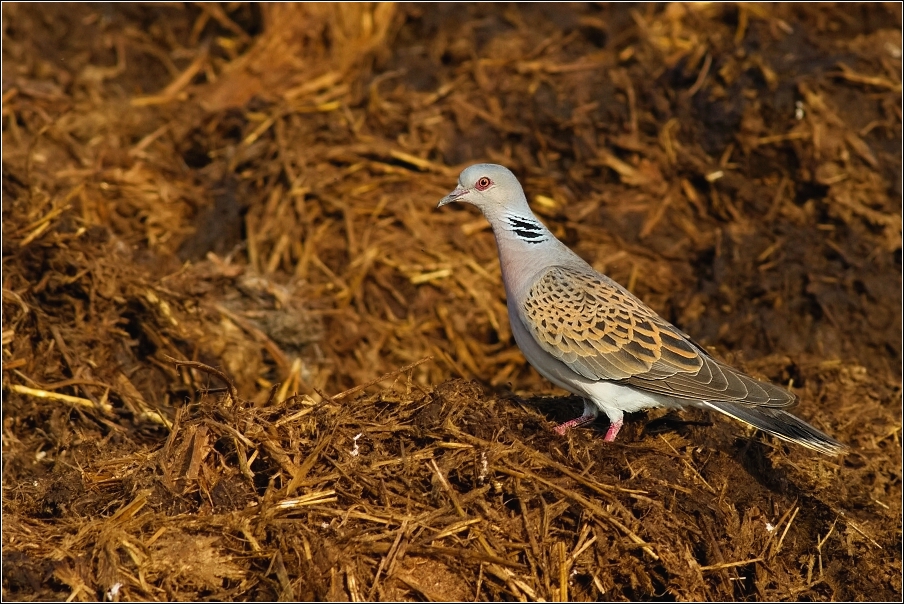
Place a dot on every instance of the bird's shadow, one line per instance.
(750, 452)
(560, 409)
(555, 409)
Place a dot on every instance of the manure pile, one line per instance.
(245, 359)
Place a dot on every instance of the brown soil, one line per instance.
(217, 217)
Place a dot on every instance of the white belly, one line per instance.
(614, 397)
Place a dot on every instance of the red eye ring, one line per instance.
(483, 183)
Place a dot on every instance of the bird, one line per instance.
(587, 334)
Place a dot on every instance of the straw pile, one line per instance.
(243, 358)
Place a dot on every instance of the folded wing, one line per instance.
(603, 332)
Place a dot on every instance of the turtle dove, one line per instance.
(589, 335)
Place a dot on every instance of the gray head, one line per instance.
(490, 187)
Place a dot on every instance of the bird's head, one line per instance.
(490, 187)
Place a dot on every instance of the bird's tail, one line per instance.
(781, 424)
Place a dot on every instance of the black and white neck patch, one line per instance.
(526, 229)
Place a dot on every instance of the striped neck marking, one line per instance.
(527, 229)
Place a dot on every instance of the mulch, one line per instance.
(244, 358)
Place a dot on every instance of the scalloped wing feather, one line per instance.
(603, 332)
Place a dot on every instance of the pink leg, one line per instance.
(561, 429)
(614, 427)
(591, 411)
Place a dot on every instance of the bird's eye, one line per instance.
(483, 183)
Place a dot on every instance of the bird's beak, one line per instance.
(453, 196)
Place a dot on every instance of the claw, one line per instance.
(611, 433)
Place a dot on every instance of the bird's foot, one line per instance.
(561, 429)
(614, 427)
